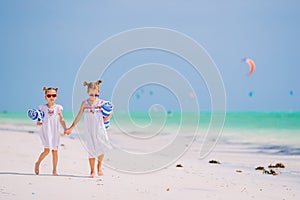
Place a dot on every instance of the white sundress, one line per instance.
(97, 141)
(50, 130)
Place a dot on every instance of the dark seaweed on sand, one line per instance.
(214, 162)
(271, 172)
(179, 165)
(278, 165)
(260, 168)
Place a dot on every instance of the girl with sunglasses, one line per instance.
(50, 126)
(95, 132)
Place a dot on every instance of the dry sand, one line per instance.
(197, 179)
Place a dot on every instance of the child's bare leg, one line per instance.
(92, 166)
(54, 160)
(99, 166)
(41, 158)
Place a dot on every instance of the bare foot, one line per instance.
(54, 173)
(99, 168)
(36, 168)
(92, 175)
(100, 172)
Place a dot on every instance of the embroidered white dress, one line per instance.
(96, 136)
(50, 130)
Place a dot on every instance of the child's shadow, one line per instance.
(32, 174)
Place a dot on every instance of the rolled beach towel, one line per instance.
(36, 115)
(106, 124)
(106, 109)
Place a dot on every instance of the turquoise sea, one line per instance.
(272, 132)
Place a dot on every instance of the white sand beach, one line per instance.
(234, 178)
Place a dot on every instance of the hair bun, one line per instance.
(85, 83)
(98, 82)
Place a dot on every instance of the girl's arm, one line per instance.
(62, 120)
(77, 119)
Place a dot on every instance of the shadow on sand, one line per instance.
(32, 174)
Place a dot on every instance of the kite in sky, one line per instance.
(251, 64)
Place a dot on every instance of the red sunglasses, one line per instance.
(51, 95)
(94, 95)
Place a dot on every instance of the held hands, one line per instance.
(68, 131)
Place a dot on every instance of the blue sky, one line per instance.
(45, 42)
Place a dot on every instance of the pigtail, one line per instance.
(92, 85)
(50, 88)
(98, 82)
(85, 83)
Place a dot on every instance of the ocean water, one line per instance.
(270, 132)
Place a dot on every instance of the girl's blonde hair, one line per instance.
(93, 85)
(49, 88)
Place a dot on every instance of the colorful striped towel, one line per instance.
(36, 115)
(106, 109)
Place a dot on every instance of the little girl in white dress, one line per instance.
(97, 139)
(49, 134)
(50, 126)
(96, 136)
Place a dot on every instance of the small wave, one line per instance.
(279, 150)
